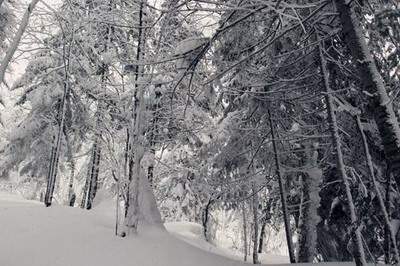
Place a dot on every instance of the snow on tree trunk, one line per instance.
(373, 83)
(358, 252)
(16, 40)
(142, 207)
(310, 219)
(141, 203)
(378, 193)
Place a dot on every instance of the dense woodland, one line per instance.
(282, 112)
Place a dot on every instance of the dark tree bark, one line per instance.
(358, 252)
(205, 220)
(255, 223)
(262, 236)
(91, 184)
(372, 82)
(282, 191)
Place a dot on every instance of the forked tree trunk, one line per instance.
(358, 252)
(384, 115)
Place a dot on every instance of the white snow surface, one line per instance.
(33, 235)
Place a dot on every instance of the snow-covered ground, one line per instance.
(32, 235)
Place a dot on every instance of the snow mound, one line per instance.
(32, 235)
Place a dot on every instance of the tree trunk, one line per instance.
(55, 153)
(282, 192)
(384, 115)
(141, 203)
(255, 224)
(262, 236)
(358, 252)
(16, 40)
(377, 190)
(205, 220)
(93, 175)
(387, 205)
(310, 219)
(244, 216)
(130, 136)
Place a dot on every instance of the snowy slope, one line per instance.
(32, 235)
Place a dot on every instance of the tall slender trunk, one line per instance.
(244, 221)
(255, 223)
(282, 192)
(377, 190)
(206, 220)
(387, 205)
(358, 251)
(91, 185)
(55, 152)
(372, 81)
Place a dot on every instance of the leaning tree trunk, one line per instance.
(358, 252)
(384, 115)
(378, 192)
(16, 40)
(310, 218)
(282, 192)
(206, 220)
